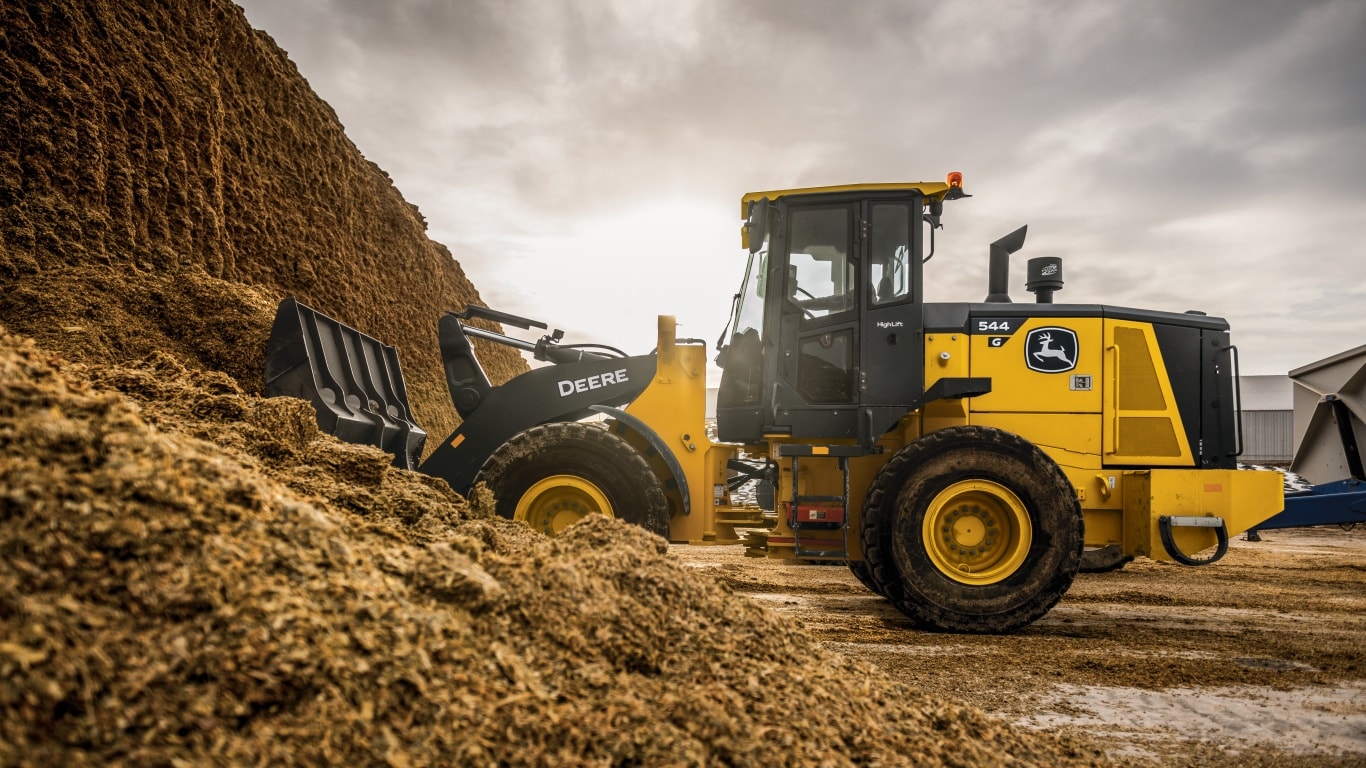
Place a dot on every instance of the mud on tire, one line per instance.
(864, 574)
(592, 463)
(944, 476)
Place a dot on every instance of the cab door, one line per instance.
(849, 321)
(891, 372)
(820, 309)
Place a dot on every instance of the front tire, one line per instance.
(554, 475)
(972, 529)
(864, 574)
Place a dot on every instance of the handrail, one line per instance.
(1164, 526)
(1114, 388)
(1237, 400)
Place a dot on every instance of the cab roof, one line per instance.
(928, 189)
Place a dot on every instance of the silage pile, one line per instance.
(167, 177)
(191, 573)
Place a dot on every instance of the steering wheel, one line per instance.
(807, 312)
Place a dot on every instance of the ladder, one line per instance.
(820, 512)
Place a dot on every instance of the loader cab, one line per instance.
(826, 335)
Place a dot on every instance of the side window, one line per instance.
(820, 273)
(889, 253)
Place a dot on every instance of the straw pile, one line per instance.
(167, 177)
(195, 574)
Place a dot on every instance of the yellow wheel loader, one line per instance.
(965, 459)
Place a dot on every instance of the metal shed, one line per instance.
(1267, 419)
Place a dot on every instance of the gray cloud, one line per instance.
(1180, 155)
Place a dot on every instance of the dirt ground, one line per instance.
(1259, 659)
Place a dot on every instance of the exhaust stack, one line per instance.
(998, 274)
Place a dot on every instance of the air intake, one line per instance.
(1044, 278)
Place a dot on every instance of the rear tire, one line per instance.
(552, 476)
(972, 529)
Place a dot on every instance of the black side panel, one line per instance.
(1200, 369)
(554, 393)
(1181, 354)
(1217, 396)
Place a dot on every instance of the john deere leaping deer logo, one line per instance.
(1051, 350)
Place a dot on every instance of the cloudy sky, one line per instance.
(584, 160)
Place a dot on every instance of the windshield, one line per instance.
(749, 309)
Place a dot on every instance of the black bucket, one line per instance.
(352, 380)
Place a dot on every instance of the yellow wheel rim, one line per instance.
(977, 532)
(559, 501)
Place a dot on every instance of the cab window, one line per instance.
(820, 272)
(889, 269)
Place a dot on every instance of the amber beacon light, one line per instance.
(955, 179)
